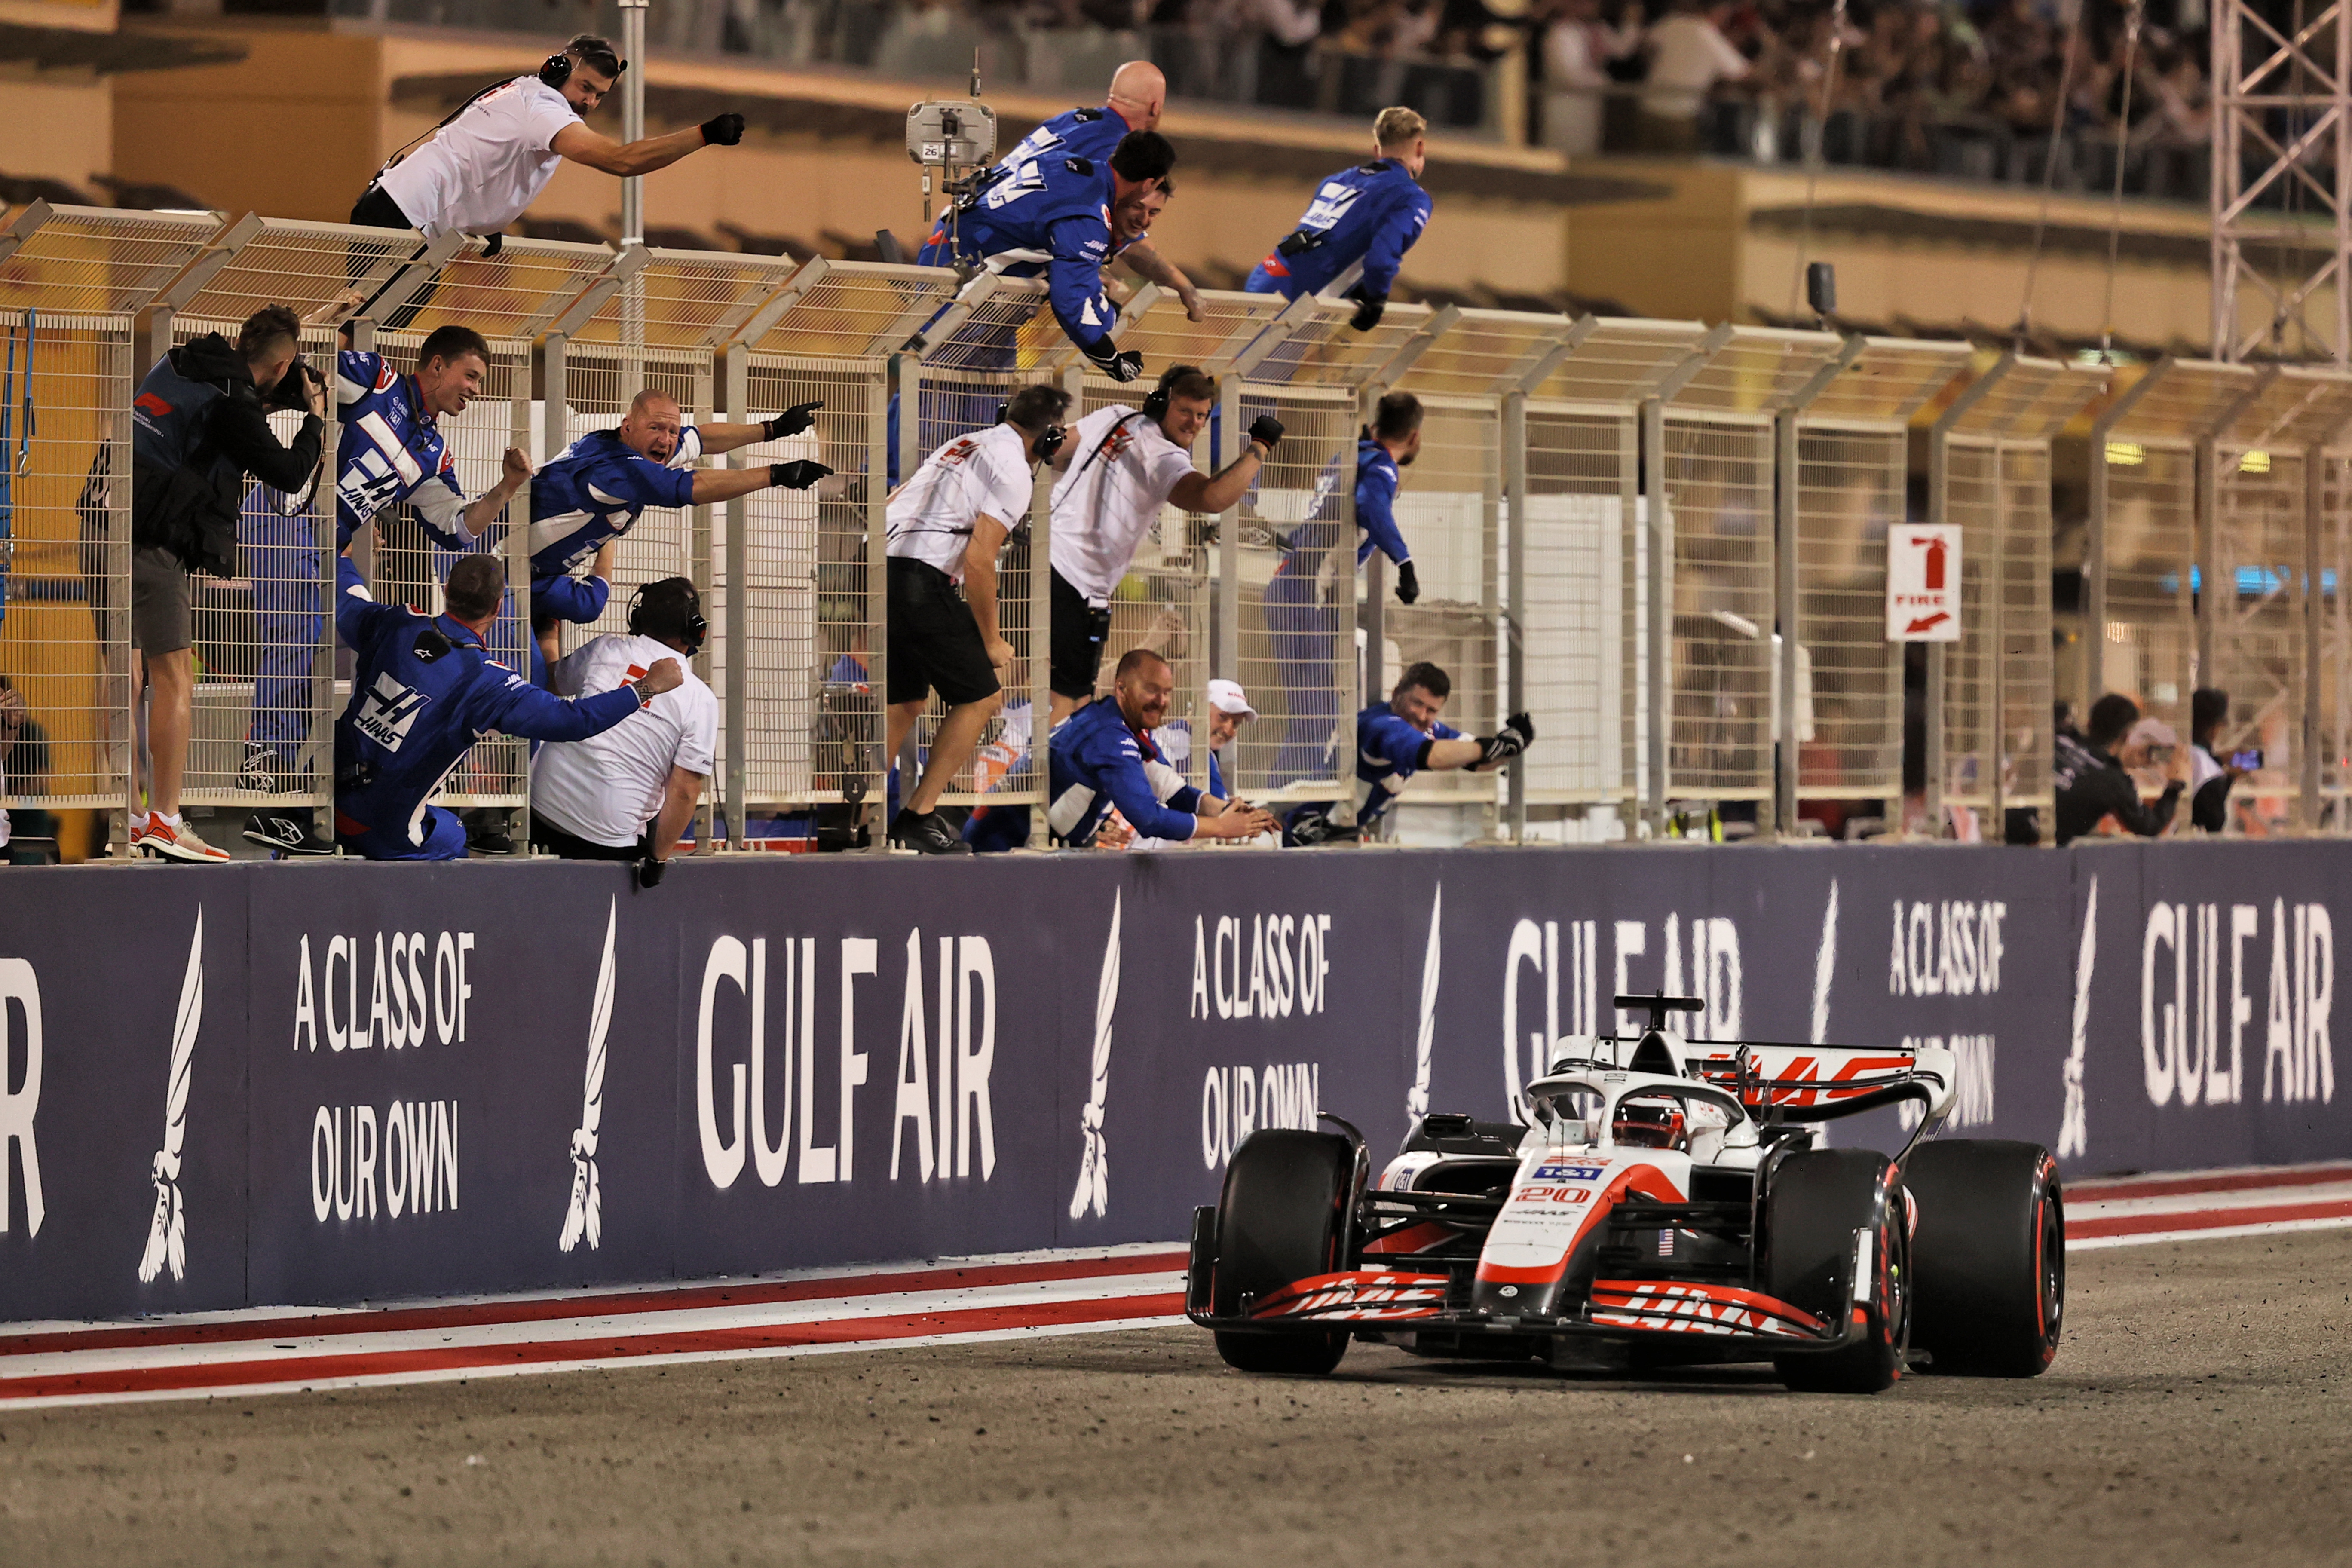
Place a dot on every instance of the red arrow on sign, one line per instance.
(1927, 622)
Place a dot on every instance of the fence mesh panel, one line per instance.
(810, 626)
(1299, 588)
(2150, 541)
(2256, 599)
(1718, 479)
(2335, 695)
(1849, 493)
(2028, 664)
(1450, 512)
(1575, 639)
(1972, 731)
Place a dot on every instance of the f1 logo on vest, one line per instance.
(391, 710)
(152, 405)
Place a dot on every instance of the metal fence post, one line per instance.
(2204, 586)
(1939, 502)
(1658, 643)
(698, 567)
(1225, 642)
(1371, 610)
(2314, 507)
(1515, 603)
(878, 594)
(732, 398)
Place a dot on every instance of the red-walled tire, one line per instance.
(1281, 1218)
(1817, 1201)
(1990, 1257)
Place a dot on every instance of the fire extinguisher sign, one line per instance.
(1923, 583)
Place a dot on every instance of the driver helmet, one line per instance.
(1650, 1126)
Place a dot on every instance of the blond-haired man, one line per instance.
(1354, 235)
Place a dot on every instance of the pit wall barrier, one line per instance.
(333, 1082)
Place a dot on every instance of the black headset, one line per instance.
(556, 69)
(1049, 441)
(1155, 407)
(681, 594)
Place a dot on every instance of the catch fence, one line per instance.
(1666, 543)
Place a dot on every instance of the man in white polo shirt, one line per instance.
(1122, 465)
(483, 166)
(629, 798)
(948, 527)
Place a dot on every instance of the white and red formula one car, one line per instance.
(1664, 1205)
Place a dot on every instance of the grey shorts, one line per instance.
(159, 601)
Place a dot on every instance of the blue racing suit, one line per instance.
(423, 691)
(1095, 761)
(1301, 615)
(1389, 752)
(1371, 213)
(581, 501)
(391, 450)
(1047, 213)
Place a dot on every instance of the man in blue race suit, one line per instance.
(595, 491)
(1302, 611)
(1103, 755)
(423, 689)
(1395, 740)
(1052, 213)
(1367, 216)
(391, 450)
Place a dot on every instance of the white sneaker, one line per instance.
(166, 842)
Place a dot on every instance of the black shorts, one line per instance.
(1079, 632)
(935, 645)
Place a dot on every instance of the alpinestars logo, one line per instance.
(167, 1233)
(1094, 1165)
(585, 1219)
(2074, 1132)
(391, 710)
(1416, 1103)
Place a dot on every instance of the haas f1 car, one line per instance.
(1662, 1205)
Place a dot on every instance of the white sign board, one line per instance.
(1923, 583)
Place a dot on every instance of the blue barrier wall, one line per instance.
(328, 1082)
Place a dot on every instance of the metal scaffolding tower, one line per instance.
(2282, 165)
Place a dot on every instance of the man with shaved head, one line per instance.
(591, 495)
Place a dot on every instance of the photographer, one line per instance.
(2211, 774)
(199, 426)
(2094, 776)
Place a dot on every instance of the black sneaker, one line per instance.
(287, 833)
(927, 835)
(257, 772)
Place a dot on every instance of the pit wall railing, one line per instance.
(1614, 524)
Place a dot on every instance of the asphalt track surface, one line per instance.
(2198, 1414)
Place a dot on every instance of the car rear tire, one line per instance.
(1990, 1251)
(1282, 1217)
(1817, 1199)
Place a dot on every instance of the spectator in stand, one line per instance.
(1577, 50)
(1689, 57)
(2210, 775)
(2093, 775)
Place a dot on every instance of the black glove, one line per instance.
(792, 421)
(722, 131)
(796, 475)
(1408, 583)
(1265, 427)
(649, 872)
(1507, 741)
(494, 244)
(1369, 308)
(1105, 357)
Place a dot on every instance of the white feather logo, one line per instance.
(585, 1216)
(1417, 1103)
(2074, 1130)
(1825, 970)
(1093, 1168)
(167, 1233)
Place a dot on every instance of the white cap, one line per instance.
(1227, 697)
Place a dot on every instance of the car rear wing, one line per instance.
(1778, 1082)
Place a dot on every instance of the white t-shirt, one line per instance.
(986, 472)
(1687, 57)
(483, 169)
(607, 787)
(1110, 496)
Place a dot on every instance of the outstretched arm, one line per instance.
(713, 485)
(723, 437)
(600, 151)
(1200, 493)
(1153, 268)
